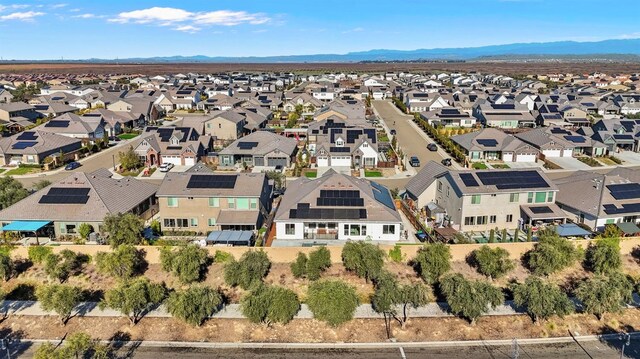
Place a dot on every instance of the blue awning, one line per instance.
(25, 226)
(230, 237)
(571, 230)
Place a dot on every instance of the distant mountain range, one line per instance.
(617, 50)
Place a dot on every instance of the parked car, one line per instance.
(166, 167)
(446, 162)
(278, 168)
(414, 161)
(72, 166)
(392, 132)
(432, 147)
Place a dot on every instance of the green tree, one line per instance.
(6, 266)
(468, 298)
(270, 304)
(61, 266)
(77, 345)
(364, 259)
(551, 254)
(84, 230)
(59, 298)
(129, 159)
(188, 263)
(249, 271)
(493, 263)
(124, 262)
(155, 226)
(332, 301)
(194, 304)
(37, 254)
(603, 256)
(600, 295)
(123, 229)
(134, 298)
(432, 261)
(41, 184)
(611, 231)
(319, 261)
(11, 192)
(299, 267)
(541, 300)
(394, 300)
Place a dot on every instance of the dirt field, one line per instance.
(312, 331)
(153, 69)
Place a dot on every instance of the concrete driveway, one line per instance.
(570, 163)
(630, 158)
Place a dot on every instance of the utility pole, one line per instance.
(626, 337)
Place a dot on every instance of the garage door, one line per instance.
(323, 162)
(525, 158)
(277, 161)
(567, 153)
(551, 153)
(507, 157)
(189, 161)
(341, 161)
(172, 159)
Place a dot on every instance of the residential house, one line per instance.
(181, 146)
(617, 134)
(337, 143)
(225, 126)
(493, 144)
(260, 148)
(32, 147)
(506, 115)
(74, 126)
(448, 117)
(560, 142)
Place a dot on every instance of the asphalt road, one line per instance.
(592, 349)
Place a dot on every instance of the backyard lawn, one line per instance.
(479, 166)
(311, 174)
(127, 136)
(372, 173)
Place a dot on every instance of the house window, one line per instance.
(530, 197)
(481, 220)
(388, 229)
(242, 203)
(253, 203)
(447, 191)
(214, 202)
(219, 125)
(290, 229)
(475, 199)
(211, 222)
(550, 197)
(492, 219)
(169, 222)
(439, 186)
(509, 218)
(514, 197)
(172, 202)
(346, 229)
(194, 222)
(232, 203)
(182, 222)
(469, 221)
(541, 197)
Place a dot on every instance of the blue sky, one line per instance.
(43, 29)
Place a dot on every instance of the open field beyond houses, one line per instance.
(153, 69)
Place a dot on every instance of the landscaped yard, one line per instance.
(479, 166)
(127, 136)
(589, 161)
(132, 173)
(19, 171)
(2, 170)
(311, 174)
(368, 173)
(500, 166)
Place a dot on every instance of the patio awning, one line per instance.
(543, 211)
(571, 230)
(238, 218)
(230, 237)
(25, 226)
(628, 228)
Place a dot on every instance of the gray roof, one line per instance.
(106, 196)
(246, 185)
(45, 142)
(423, 179)
(266, 142)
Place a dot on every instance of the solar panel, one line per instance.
(626, 208)
(382, 195)
(324, 193)
(468, 180)
(624, 191)
(247, 145)
(340, 149)
(212, 181)
(512, 179)
(504, 106)
(68, 191)
(62, 195)
(540, 210)
(23, 145)
(575, 139)
(340, 202)
(559, 131)
(488, 142)
(450, 111)
(57, 123)
(304, 212)
(27, 136)
(623, 137)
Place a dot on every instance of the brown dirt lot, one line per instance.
(154, 68)
(312, 331)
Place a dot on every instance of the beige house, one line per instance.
(225, 126)
(204, 202)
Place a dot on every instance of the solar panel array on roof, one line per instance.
(340, 149)
(560, 131)
(487, 142)
(382, 195)
(27, 136)
(625, 208)
(212, 181)
(339, 202)
(468, 180)
(624, 190)
(57, 123)
(623, 137)
(247, 145)
(575, 139)
(504, 106)
(165, 134)
(449, 111)
(540, 210)
(371, 133)
(62, 195)
(339, 193)
(23, 145)
(512, 179)
(304, 212)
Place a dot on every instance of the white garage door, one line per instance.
(189, 161)
(551, 153)
(342, 161)
(526, 158)
(507, 157)
(172, 159)
(567, 153)
(323, 162)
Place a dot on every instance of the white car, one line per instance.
(166, 167)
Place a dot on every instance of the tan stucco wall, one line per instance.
(288, 254)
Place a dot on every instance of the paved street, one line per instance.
(569, 350)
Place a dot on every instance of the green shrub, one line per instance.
(222, 257)
(551, 254)
(270, 304)
(299, 267)
(603, 256)
(332, 301)
(432, 261)
(493, 263)
(37, 254)
(249, 271)
(188, 263)
(395, 254)
(362, 258)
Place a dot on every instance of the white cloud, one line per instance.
(85, 16)
(187, 21)
(261, 31)
(13, 7)
(21, 16)
(58, 6)
(357, 29)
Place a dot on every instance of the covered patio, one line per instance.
(38, 228)
(572, 230)
(534, 215)
(238, 220)
(628, 229)
(231, 238)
